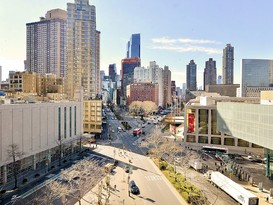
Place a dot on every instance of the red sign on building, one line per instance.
(191, 118)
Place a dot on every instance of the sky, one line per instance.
(172, 32)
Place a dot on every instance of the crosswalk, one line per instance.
(153, 178)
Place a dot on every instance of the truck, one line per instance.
(233, 189)
(197, 165)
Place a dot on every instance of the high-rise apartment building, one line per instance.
(156, 76)
(133, 46)
(128, 66)
(173, 92)
(46, 44)
(228, 64)
(82, 49)
(210, 73)
(112, 72)
(191, 76)
(257, 75)
(167, 96)
(97, 72)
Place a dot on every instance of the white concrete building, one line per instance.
(142, 74)
(39, 131)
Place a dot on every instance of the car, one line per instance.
(115, 163)
(133, 188)
(62, 180)
(127, 169)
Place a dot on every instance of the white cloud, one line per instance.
(185, 45)
(165, 40)
(188, 48)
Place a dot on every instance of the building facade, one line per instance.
(191, 76)
(250, 122)
(97, 72)
(82, 48)
(112, 70)
(210, 73)
(46, 44)
(142, 92)
(92, 120)
(133, 46)
(257, 74)
(38, 130)
(142, 74)
(201, 123)
(223, 89)
(228, 64)
(15, 81)
(128, 66)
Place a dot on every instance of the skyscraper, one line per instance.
(210, 73)
(228, 64)
(257, 75)
(46, 44)
(133, 46)
(167, 96)
(82, 49)
(112, 72)
(127, 71)
(191, 76)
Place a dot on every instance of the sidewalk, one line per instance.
(117, 196)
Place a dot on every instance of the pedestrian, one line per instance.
(129, 192)
(267, 199)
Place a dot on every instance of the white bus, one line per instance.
(215, 150)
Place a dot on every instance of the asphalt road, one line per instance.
(125, 140)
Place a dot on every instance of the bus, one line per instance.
(215, 150)
(136, 131)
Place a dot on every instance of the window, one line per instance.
(75, 120)
(70, 121)
(59, 123)
(65, 122)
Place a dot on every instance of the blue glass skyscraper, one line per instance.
(133, 46)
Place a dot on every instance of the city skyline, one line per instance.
(199, 32)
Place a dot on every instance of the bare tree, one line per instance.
(135, 107)
(15, 154)
(48, 194)
(149, 107)
(74, 183)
